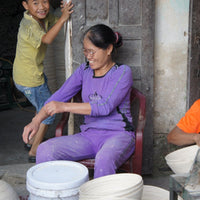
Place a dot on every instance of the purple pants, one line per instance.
(109, 148)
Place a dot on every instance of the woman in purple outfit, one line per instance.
(107, 133)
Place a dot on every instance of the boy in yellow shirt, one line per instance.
(37, 29)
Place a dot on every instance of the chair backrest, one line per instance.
(136, 158)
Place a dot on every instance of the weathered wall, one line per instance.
(170, 67)
(54, 63)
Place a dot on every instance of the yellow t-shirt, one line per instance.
(28, 64)
(190, 123)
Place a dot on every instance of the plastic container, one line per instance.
(56, 180)
(124, 186)
(181, 160)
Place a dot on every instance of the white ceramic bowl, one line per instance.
(7, 192)
(113, 187)
(155, 193)
(181, 160)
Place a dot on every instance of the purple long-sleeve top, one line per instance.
(108, 95)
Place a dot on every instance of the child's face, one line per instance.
(37, 8)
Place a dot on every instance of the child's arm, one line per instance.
(52, 33)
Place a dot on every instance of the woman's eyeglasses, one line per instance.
(89, 52)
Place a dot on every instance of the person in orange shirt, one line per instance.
(187, 130)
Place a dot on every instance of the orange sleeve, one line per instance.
(190, 123)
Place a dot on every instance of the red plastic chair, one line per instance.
(134, 163)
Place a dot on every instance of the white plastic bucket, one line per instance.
(126, 186)
(56, 180)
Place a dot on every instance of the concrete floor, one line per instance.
(14, 158)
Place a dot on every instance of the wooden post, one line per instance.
(68, 65)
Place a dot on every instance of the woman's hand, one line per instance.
(30, 130)
(54, 107)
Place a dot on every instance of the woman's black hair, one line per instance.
(102, 36)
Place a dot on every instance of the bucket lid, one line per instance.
(57, 175)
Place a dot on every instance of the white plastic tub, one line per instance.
(56, 180)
